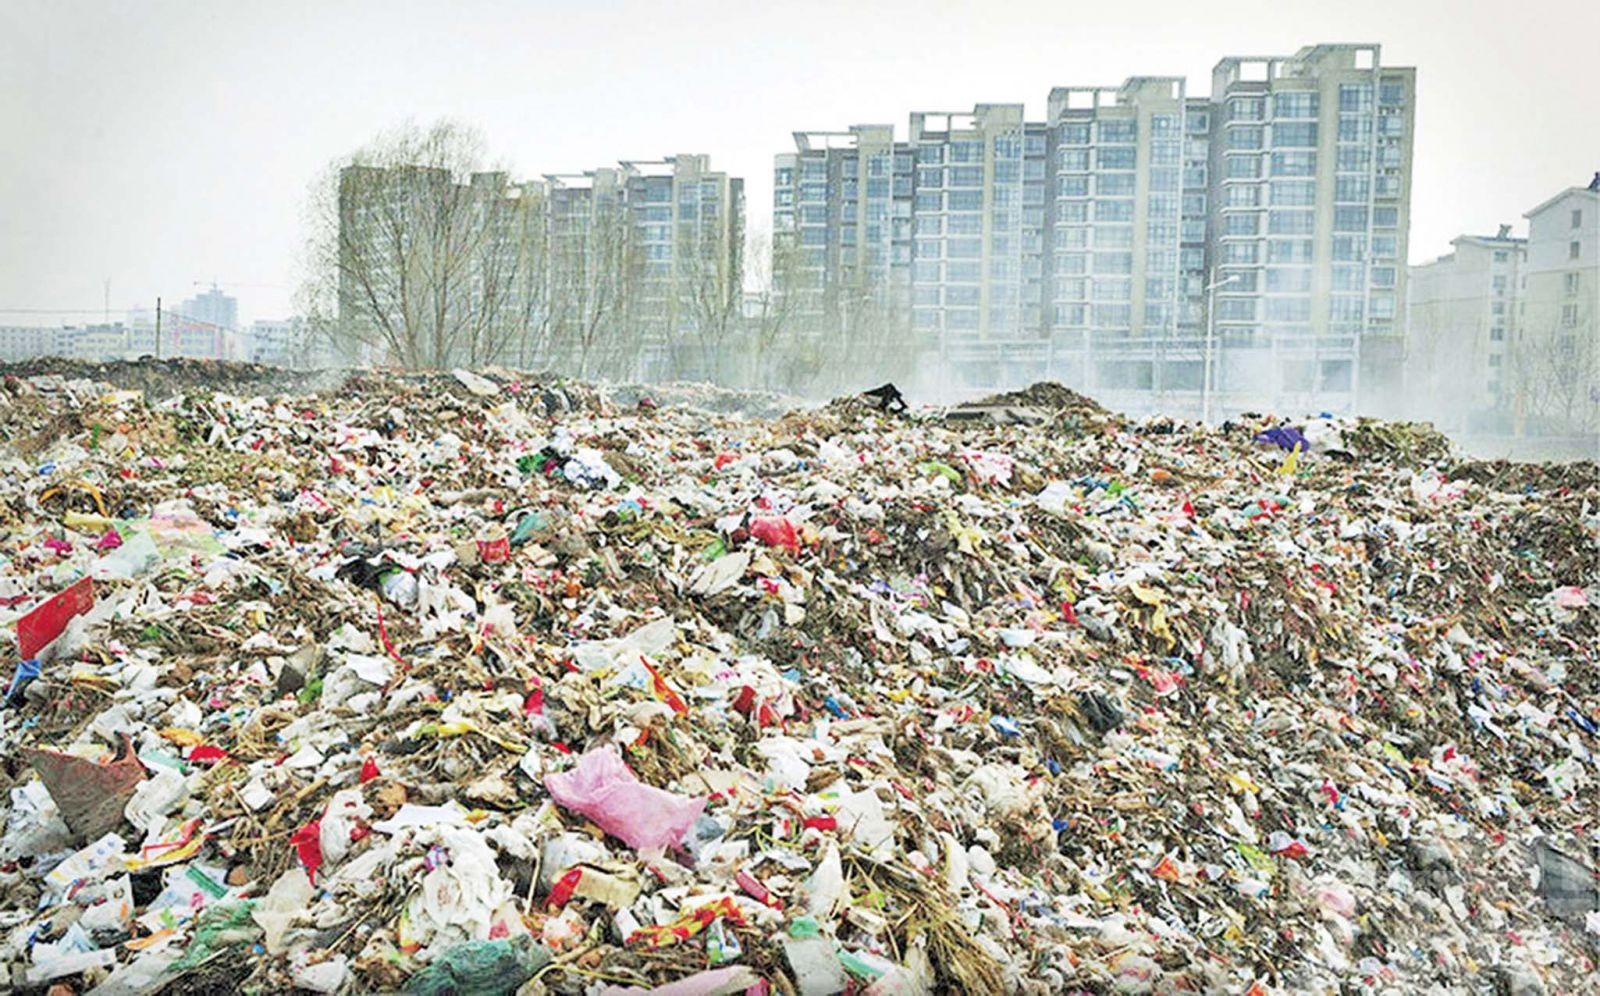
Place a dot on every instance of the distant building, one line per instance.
(287, 342)
(1501, 333)
(213, 308)
(24, 342)
(1461, 320)
(1089, 247)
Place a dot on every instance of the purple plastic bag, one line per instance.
(602, 788)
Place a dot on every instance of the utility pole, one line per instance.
(158, 327)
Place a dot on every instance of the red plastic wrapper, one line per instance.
(39, 628)
(775, 530)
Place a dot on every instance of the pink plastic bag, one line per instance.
(602, 788)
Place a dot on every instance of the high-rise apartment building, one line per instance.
(1554, 375)
(1310, 191)
(1155, 247)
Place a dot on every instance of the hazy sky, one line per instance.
(162, 144)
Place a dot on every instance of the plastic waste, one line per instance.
(602, 788)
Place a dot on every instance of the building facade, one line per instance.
(1161, 249)
(1554, 373)
(1461, 321)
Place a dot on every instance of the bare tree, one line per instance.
(710, 288)
(420, 257)
(1554, 375)
(593, 275)
(774, 328)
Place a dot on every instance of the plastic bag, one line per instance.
(602, 788)
(481, 968)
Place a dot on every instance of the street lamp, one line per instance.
(1211, 343)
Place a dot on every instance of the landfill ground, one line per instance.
(491, 684)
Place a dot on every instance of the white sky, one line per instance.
(160, 144)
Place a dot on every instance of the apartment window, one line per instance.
(1112, 290)
(1294, 135)
(1499, 284)
(1387, 186)
(1392, 93)
(1165, 153)
(1349, 219)
(1113, 237)
(1121, 157)
(1355, 97)
(930, 155)
(1293, 193)
(930, 176)
(963, 319)
(965, 248)
(1498, 309)
(1198, 123)
(966, 152)
(1383, 276)
(1294, 164)
(1385, 217)
(1574, 250)
(1114, 263)
(1071, 314)
(1501, 255)
(967, 296)
(1242, 223)
(1075, 133)
(1164, 179)
(1350, 190)
(1244, 195)
(1243, 167)
(1239, 252)
(1163, 124)
(1382, 307)
(1072, 262)
(1073, 238)
(1354, 158)
(962, 273)
(965, 200)
(1294, 105)
(930, 225)
(1569, 316)
(1244, 137)
(1076, 185)
(1114, 184)
(1355, 129)
(1494, 359)
(1288, 279)
(1288, 309)
(1577, 219)
(927, 272)
(966, 176)
(1236, 309)
(1289, 251)
(1111, 316)
(1073, 159)
(1118, 210)
(1389, 156)
(1346, 308)
(1008, 146)
(1246, 109)
(1497, 334)
(1569, 284)
(1391, 126)
(1349, 278)
(1291, 222)
(1073, 211)
(966, 224)
(1033, 144)
(1115, 131)
(1193, 259)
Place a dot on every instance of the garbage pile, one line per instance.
(472, 685)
